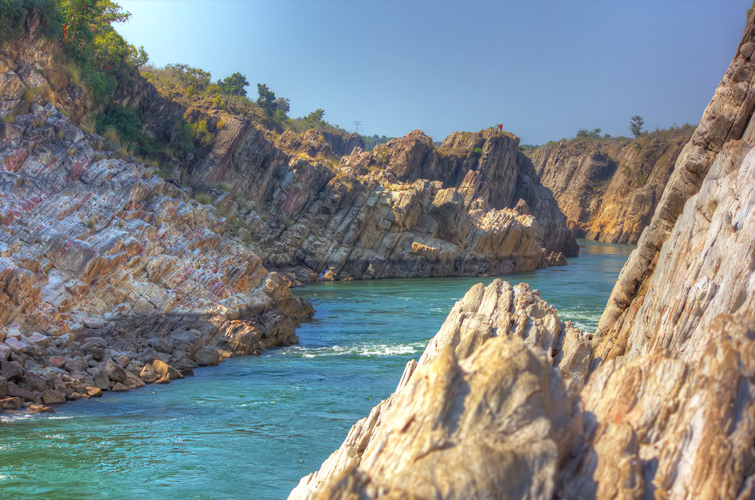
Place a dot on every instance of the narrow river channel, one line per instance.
(251, 427)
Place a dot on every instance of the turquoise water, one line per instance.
(251, 427)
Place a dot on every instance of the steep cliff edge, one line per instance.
(110, 277)
(609, 188)
(503, 404)
(313, 205)
(726, 119)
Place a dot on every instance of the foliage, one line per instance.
(635, 125)
(13, 14)
(478, 151)
(203, 198)
(371, 141)
(128, 130)
(641, 179)
(30, 93)
(283, 104)
(591, 134)
(316, 115)
(187, 76)
(233, 85)
(266, 99)
(104, 58)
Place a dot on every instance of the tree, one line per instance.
(316, 116)
(266, 99)
(594, 133)
(86, 21)
(188, 76)
(283, 104)
(233, 85)
(635, 125)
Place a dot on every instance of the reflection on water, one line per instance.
(251, 427)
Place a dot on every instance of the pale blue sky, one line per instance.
(543, 68)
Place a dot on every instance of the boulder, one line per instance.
(207, 356)
(52, 397)
(164, 370)
(148, 374)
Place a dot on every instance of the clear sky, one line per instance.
(542, 68)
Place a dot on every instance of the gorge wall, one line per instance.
(110, 277)
(509, 402)
(314, 205)
(115, 272)
(609, 188)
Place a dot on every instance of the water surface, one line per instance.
(251, 427)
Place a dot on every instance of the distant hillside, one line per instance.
(609, 188)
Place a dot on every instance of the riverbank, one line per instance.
(265, 421)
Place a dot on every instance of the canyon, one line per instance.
(118, 271)
(657, 403)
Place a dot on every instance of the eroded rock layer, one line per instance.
(406, 209)
(727, 118)
(111, 277)
(313, 204)
(483, 400)
(609, 188)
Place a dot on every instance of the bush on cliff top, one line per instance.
(13, 14)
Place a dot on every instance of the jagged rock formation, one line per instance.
(667, 407)
(111, 277)
(482, 401)
(726, 118)
(363, 216)
(315, 205)
(609, 188)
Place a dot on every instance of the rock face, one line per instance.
(314, 204)
(659, 404)
(108, 272)
(483, 401)
(726, 119)
(609, 188)
(406, 209)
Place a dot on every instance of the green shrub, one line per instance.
(203, 198)
(641, 180)
(13, 14)
(478, 151)
(30, 93)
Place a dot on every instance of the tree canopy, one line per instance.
(234, 84)
(635, 125)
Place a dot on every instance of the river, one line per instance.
(251, 427)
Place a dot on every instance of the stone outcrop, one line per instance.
(110, 277)
(389, 212)
(609, 188)
(726, 119)
(314, 204)
(483, 397)
(658, 405)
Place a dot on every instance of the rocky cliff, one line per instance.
(110, 277)
(609, 188)
(314, 204)
(509, 402)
